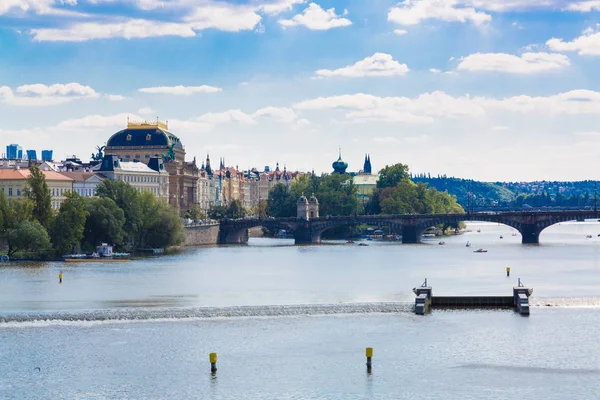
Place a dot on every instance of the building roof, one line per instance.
(144, 134)
(79, 176)
(18, 174)
(130, 166)
(365, 179)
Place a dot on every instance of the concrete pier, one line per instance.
(519, 301)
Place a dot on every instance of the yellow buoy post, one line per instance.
(507, 271)
(60, 277)
(213, 362)
(369, 353)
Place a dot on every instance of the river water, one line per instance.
(292, 322)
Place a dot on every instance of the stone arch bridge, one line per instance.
(529, 224)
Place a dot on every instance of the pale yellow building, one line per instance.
(366, 184)
(13, 182)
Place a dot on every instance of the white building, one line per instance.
(152, 177)
(84, 183)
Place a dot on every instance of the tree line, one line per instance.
(119, 215)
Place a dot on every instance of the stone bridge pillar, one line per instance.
(231, 235)
(411, 234)
(530, 234)
(305, 235)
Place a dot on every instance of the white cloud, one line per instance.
(434, 70)
(37, 95)
(181, 90)
(42, 7)
(427, 107)
(586, 44)
(279, 7)
(96, 121)
(127, 29)
(69, 89)
(146, 111)
(501, 128)
(589, 134)
(509, 5)
(115, 97)
(400, 32)
(379, 64)
(584, 6)
(315, 18)
(413, 12)
(528, 63)
(385, 139)
(226, 116)
(223, 17)
(282, 114)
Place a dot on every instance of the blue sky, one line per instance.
(484, 89)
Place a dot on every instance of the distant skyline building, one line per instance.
(32, 155)
(46, 155)
(14, 152)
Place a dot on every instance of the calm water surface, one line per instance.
(293, 322)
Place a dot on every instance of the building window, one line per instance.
(148, 137)
(18, 192)
(147, 155)
(10, 191)
(128, 138)
(137, 156)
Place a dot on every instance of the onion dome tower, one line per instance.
(339, 166)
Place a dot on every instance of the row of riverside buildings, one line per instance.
(150, 158)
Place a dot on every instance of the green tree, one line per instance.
(69, 224)
(195, 213)
(14, 212)
(235, 210)
(337, 195)
(104, 223)
(217, 212)
(27, 235)
(280, 202)
(128, 200)
(38, 192)
(391, 175)
(260, 210)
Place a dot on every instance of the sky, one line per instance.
(497, 90)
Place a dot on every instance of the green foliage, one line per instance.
(68, 226)
(14, 212)
(38, 192)
(337, 195)
(410, 198)
(233, 210)
(195, 214)
(392, 175)
(104, 223)
(261, 209)
(280, 203)
(128, 200)
(27, 235)
(160, 225)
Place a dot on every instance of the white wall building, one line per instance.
(152, 177)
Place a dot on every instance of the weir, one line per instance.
(519, 301)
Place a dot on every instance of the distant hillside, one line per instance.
(514, 194)
(483, 193)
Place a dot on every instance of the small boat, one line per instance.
(480, 251)
(363, 244)
(588, 237)
(468, 244)
(478, 230)
(442, 243)
(501, 237)
(349, 241)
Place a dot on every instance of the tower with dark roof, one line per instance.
(367, 169)
(339, 166)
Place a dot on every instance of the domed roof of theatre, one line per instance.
(144, 134)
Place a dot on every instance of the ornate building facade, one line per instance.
(144, 141)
